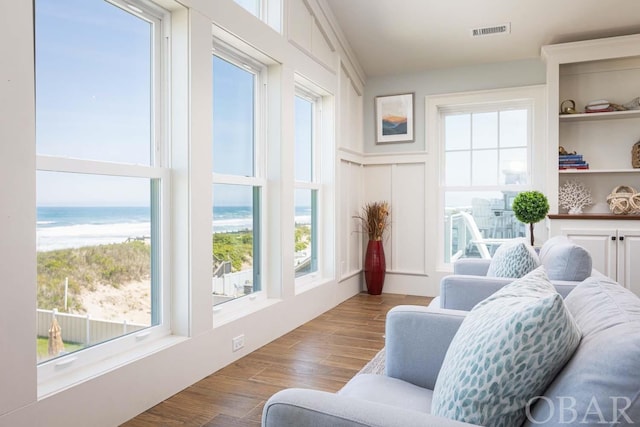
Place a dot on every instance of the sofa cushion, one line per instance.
(601, 382)
(507, 350)
(513, 259)
(564, 260)
(388, 391)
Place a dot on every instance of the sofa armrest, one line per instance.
(471, 266)
(417, 339)
(301, 407)
(463, 292)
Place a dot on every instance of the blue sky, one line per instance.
(93, 101)
(92, 98)
(233, 95)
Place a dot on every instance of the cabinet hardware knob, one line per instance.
(613, 237)
(621, 238)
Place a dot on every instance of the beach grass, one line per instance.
(237, 246)
(115, 264)
(303, 237)
(86, 268)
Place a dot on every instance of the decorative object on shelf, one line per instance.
(619, 200)
(563, 152)
(603, 106)
(635, 155)
(634, 204)
(375, 221)
(530, 207)
(574, 196)
(569, 108)
(598, 106)
(570, 160)
(394, 118)
(634, 104)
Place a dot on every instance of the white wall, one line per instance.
(17, 211)
(202, 345)
(405, 173)
(441, 81)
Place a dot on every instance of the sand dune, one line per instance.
(130, 302)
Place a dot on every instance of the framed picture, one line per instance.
(394, 118)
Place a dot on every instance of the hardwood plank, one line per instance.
(221, 385)
(178, 411)
(340, 361)
(322, 354)
(256, 414)
(227, 421)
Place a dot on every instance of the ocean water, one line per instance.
(74, 227)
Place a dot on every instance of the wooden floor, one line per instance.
(322, 354)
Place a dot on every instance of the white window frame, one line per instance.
(486, 108)
(270, 12)
(303, 91)
(72, 364)
(530, 97)
(230, 309)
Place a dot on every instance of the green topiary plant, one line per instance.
(530, 207)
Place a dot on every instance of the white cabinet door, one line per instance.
(629, 259)
(601, 244)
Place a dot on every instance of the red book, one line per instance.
(582, 167)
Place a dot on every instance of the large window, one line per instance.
(237, 177)
(306, 184)
(102, 177)
(486, 162)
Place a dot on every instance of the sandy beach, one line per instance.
(130, 302)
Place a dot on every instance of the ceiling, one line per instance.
(407, 36)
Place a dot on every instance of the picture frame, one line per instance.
(394, 117)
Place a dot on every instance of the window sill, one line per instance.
(307, 285)
(76, 376)
(225, 315)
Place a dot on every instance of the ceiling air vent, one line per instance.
(491, 31)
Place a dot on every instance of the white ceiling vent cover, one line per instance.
(492, 31)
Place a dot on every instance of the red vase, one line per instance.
(374, 267)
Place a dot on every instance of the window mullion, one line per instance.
(96, 167)
(306, 185)
(238, 180)
(499, 135)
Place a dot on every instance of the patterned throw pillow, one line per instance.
(513, 259)
(507, 351)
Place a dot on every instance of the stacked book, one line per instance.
(571, 161)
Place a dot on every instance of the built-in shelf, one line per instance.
(610, 115)
(605, 216)
(587, 171)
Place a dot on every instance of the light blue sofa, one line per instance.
(600, 385)
(566, 263)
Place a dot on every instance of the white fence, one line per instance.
(82, 329)
(234, 284)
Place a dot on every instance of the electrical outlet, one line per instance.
(237, 343)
